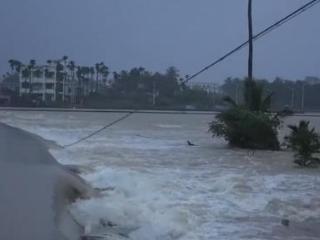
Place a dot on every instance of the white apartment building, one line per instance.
(43, 83)
(40, 81)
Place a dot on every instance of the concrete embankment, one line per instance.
(35, 190)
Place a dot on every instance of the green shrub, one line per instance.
(305, 142)
(247, 129)
(251, 125)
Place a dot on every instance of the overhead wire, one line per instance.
(99, 130)
(261, 34)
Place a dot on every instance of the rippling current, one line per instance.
(157, 187)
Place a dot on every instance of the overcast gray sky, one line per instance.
(156, 34)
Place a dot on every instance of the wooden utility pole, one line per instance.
(250, 28)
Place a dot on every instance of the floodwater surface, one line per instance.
(158, 187)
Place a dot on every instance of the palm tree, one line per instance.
(65, 58)
(71, 66)
(25, 74)
(18, 66)
(15, 65)
(64, 75)
(98, 71)
(104, 72)
(254, 98)
(31, 66)
(88, 74)
(91, 78)
(305, 142)
(79, 73)
(12, 64)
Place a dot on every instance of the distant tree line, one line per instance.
(141, 88)
(136, 88)
(298, 95)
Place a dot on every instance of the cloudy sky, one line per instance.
(159, 33)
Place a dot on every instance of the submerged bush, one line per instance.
(250, 125)
(247, 129)
(305, 142)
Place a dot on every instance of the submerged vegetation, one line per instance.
(305, 142)
(250, 125)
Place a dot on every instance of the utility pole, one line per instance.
(250, 28)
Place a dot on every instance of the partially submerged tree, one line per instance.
(250, 125)
(305, 142)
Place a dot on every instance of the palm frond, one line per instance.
(266, 103)
(230, 101)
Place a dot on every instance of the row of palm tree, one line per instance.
(66, 70)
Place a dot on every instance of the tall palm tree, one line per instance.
(71, 66)
(18, 66)
(65, 58)
(31, 66)
(25, 75)
(79, 74)
(254, 97)
(98, 71)
(15, 65)
(104, 72)
(92, 72)
(12, 64)
(64, 75)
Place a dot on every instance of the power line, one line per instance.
(99, 130)
(257, 36)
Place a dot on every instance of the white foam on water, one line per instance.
(169, 126)
(138, 202)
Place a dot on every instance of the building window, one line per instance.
(49, 97)
(37, 86)
(49, 85)
(25, 84)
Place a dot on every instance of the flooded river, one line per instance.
(158, 187)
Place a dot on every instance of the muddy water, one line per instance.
(161, 188)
